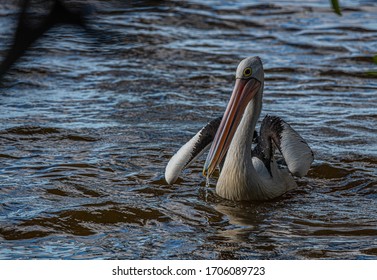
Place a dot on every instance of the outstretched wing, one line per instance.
(190, 151)
(297, 154)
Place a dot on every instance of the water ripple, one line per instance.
(89, 122)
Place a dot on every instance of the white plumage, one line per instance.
(181, 159)
(295, 151)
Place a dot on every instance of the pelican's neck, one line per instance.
(243, 137)
(241, 145)
(238, 178)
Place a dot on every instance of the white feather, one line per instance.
(181, 158)
(296, 152)
(260, 168)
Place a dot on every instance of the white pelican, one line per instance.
(246, 173)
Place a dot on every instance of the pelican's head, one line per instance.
(249, 83)
(250, 68)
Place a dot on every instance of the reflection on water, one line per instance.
(87, 129)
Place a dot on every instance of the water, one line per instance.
(87, 127)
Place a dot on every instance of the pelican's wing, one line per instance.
(297, 154)
(190, 151)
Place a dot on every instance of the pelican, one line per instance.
(250, 168)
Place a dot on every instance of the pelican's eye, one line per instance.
(247, 72)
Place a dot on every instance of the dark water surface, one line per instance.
(87, 127)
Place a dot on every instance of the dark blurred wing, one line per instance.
(27, 33)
